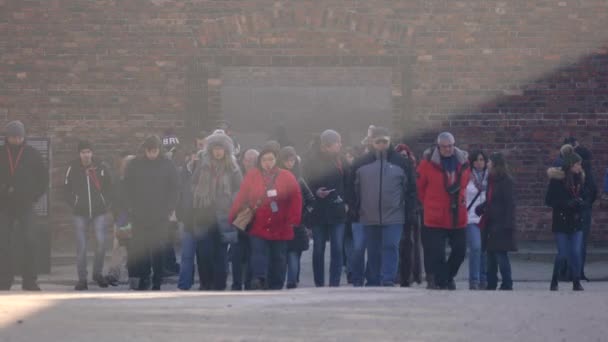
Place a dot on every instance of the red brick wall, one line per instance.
(515, 76)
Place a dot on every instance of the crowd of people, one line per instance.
(386, 214)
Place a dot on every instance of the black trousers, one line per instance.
(147, 250)
(444, 270)
(17, 248)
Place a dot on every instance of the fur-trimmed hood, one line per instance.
(558, 173)
(222, 140)
(433, 156)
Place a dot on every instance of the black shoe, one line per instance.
(292, 286)
(100, 280)
(584, 277)
(33, 287)
(81, 286)
(554, 286)
(236, 288)
(505, 288)
(451, 285)
(576, 286)
(144, 284)
(156, 288)
(111, 280)
(405, 284)
(258, 284)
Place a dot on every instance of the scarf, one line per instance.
(449, 165)
(214, 183)
(480, 179)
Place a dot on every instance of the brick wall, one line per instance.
(515, 76)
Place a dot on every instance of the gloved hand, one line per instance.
(481, 209)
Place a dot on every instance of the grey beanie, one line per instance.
(15, 129)
(330, 137)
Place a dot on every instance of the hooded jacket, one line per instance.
(384, 188)
(433, 194)
(88, 190)
(20, 191)
(567, 207)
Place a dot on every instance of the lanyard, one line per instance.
(14, 164)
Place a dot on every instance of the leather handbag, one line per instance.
(243, 219)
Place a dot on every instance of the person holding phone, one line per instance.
(326, 172)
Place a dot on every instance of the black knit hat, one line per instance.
(84, 145)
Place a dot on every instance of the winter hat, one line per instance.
(84, 145)
(380, 132)
(566, 149)
(222, 140)
(570, 159)
(330, 137)
(15, 129)
(286, 153)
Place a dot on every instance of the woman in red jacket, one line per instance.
(277, 199)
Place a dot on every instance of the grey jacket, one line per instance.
(384, 189)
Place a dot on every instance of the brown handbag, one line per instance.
(243, 218)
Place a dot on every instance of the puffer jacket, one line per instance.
(567, 206)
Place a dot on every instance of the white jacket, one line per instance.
(471, 193)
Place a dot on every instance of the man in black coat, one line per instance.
(151, 186)
(88, 189)
(326, 172)
(23, 179)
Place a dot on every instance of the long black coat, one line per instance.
(567, 218)
(151, 189)
(19, 192)
(499, 228)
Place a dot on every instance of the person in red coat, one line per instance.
(277, 199)
(443, 175)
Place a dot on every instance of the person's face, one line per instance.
(334, 148)
(200, 144)
(381, 144)
(153, 153)
(218, 153)
(489, 164)
(446, 148)
(249, 161)
(577, 168)
(86, 157)
(480, 163)
(268, 161)
(290, 163)
(350, 159)
(15, 140)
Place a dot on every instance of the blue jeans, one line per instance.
(81, 224)
(499, 260)
(383, 253)
(186, 270)
(569, 248)
(586, 230)
(211, 257)
(321, 233)
(268, 261)
(477, 258)
(357, 262)
(293, 267)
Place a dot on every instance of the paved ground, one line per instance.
(531, 313)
